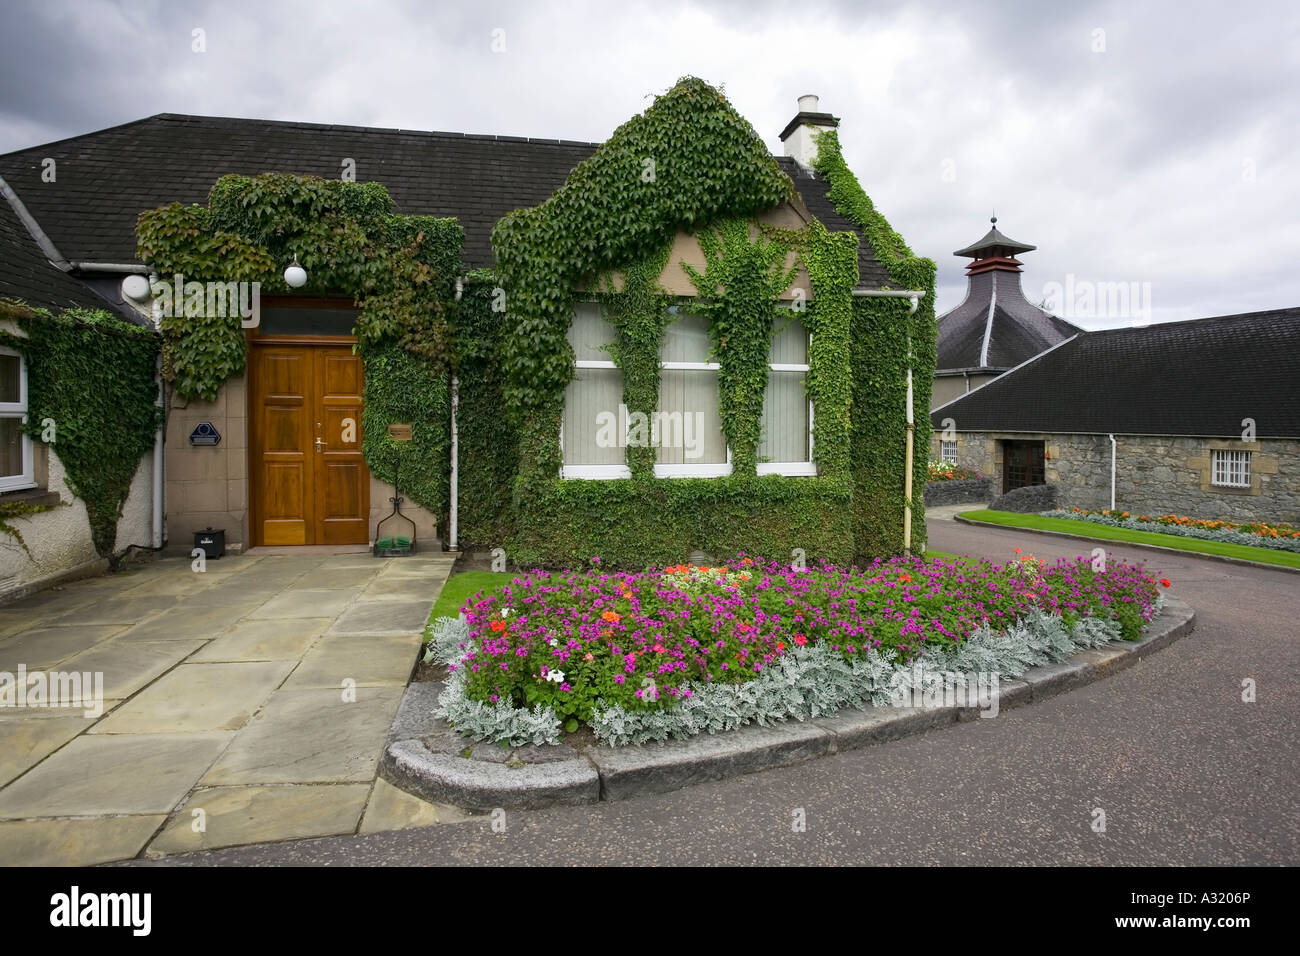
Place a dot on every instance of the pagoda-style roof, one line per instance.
(994, 244)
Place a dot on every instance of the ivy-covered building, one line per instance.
(76, 468)
(668, 343)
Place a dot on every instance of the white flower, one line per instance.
(505, 612)
(553, 642)
(556, 676)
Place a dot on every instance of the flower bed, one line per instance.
(948, 471)
(687, 649)
(1255, 534)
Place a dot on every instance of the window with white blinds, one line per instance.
(687, 427)
(592, 437)
(948, 451)
(785, 439)
(15, 447)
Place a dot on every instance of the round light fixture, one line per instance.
(136, 288)
(295, 275)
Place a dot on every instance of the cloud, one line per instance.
(1164, 156)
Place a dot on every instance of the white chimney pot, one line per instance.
(808, 103)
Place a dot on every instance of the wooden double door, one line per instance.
(309, 482)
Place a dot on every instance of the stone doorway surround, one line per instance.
(253, 698)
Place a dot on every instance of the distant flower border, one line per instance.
(1258, 534)
(949, 471)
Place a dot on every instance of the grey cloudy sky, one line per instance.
(1153, 142)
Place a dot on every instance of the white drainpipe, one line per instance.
(915, 296)
(453, 515)
(156, 539)
(1113, 448)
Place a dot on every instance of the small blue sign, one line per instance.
(205, 434)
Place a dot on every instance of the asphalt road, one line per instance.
(1185, 771)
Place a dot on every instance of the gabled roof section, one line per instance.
(1201, 377)
(28, 276)
(105, 179)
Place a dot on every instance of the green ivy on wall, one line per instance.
(689, 160)
(880, 361)
(639, 314)
(400, 270)
(90, 376)
(739, 288)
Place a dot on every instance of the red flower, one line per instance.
(905, 579)
(498, 625)
(780, 645)
(1166, 582)
(800, 640)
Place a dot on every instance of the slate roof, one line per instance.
(994, 243)
(1179, 378)
(105, 179)
(970, 338)
(27, 274)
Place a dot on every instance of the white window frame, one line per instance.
(1230, 468)
(598, 472)
(942, 455)
(18, 410)
(794, 469)
(684, 470)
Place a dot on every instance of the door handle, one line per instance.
(320, 443)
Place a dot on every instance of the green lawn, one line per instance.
(1288, 559)
(461, 587)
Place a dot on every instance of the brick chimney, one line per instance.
(797, 136)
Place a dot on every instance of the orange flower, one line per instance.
(1016, 550)
(905, 579)
(611, 616)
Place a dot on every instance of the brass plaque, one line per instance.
(399, 432)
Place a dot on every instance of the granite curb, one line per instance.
(426, 757)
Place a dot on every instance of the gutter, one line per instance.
(453, 492)
(915, 296)
(159, 438)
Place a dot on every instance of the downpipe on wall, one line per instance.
(1113, 455)
(915, 297)
(453, 512)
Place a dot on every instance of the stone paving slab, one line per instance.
(113, 774)
(82, 842)
(232, 816)
(45, 646)
(25, 741)
(308, 736)
(123, 609)
(198, 697)
(186, 621)
(307, 603)
(328, 578)
(384, 618)
(263, 641)
(366, 660)
(391, 808)
(127, 667)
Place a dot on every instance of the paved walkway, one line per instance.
(1186, 771)
(247, 703)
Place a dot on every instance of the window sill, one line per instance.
(37, 497)
(796, 469)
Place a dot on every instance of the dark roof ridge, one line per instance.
(296, 124)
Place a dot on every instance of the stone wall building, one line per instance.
(1198, 418)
